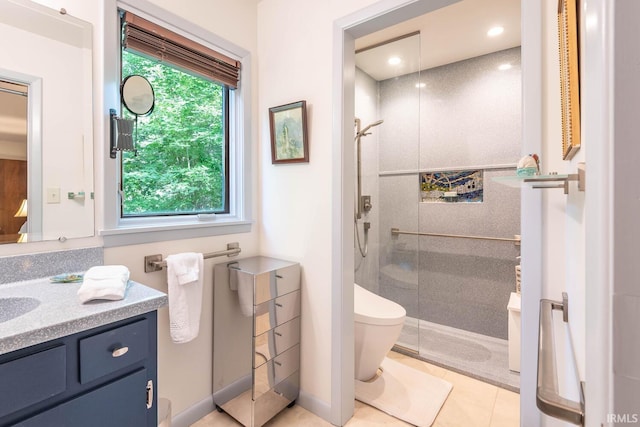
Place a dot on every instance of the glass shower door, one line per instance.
(390, 174)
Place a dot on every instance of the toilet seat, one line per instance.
(372, 309)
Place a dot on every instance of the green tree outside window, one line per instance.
(181, 150)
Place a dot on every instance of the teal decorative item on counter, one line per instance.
(66, 278)
(528, 165)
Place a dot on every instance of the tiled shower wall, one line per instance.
(467, 116)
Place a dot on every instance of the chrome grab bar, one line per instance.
(548, 399)
(396, 231)
(155, 263)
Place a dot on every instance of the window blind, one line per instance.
(152, 40)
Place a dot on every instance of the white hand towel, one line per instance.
(184, 277)
(104, 282)
(243, 283)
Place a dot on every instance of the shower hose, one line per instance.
(366, 237)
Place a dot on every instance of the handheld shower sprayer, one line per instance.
(363, 203)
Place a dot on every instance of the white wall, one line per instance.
(296, 198)
(295, 51)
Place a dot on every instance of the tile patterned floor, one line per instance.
(472, 403)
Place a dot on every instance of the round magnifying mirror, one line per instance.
(137, 95)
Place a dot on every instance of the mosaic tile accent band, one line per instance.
(451, 187)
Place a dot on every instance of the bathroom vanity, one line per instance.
(256, 338)
(63, 363)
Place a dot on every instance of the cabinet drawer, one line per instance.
(275, 283)
(275, 371)
(32, 379)
(112, 350)
(268, 345)
(272, 313)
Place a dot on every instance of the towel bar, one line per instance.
(155, 263)
(548, 399)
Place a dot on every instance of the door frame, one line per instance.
(345, 30)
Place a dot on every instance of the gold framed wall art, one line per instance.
(569, 77)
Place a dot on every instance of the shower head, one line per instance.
(363, 132)
(379, 122)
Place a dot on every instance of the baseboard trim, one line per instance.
(194, 413)
(314, 405)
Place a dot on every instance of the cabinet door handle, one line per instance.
(277, 363)
(278, 334)
(278, 276)
(278, 304)
(120, 351)
(149, 394)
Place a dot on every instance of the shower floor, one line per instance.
(478, 356)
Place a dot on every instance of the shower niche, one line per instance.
(451, 186)
(256, 338)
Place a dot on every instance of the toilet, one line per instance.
(378, 323)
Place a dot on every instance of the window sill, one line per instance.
(134, 232)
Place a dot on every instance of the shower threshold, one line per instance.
(475, 355)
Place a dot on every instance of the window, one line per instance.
(188, 168)
(181, 162)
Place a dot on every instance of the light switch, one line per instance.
(53, 195)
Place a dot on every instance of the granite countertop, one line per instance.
(60, 313)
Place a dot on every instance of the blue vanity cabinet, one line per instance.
(101, 377)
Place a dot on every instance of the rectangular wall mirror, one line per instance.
(46, 124)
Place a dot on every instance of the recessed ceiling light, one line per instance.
(394, 60)
(504, 67)
(421, 85)
(495, 31)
